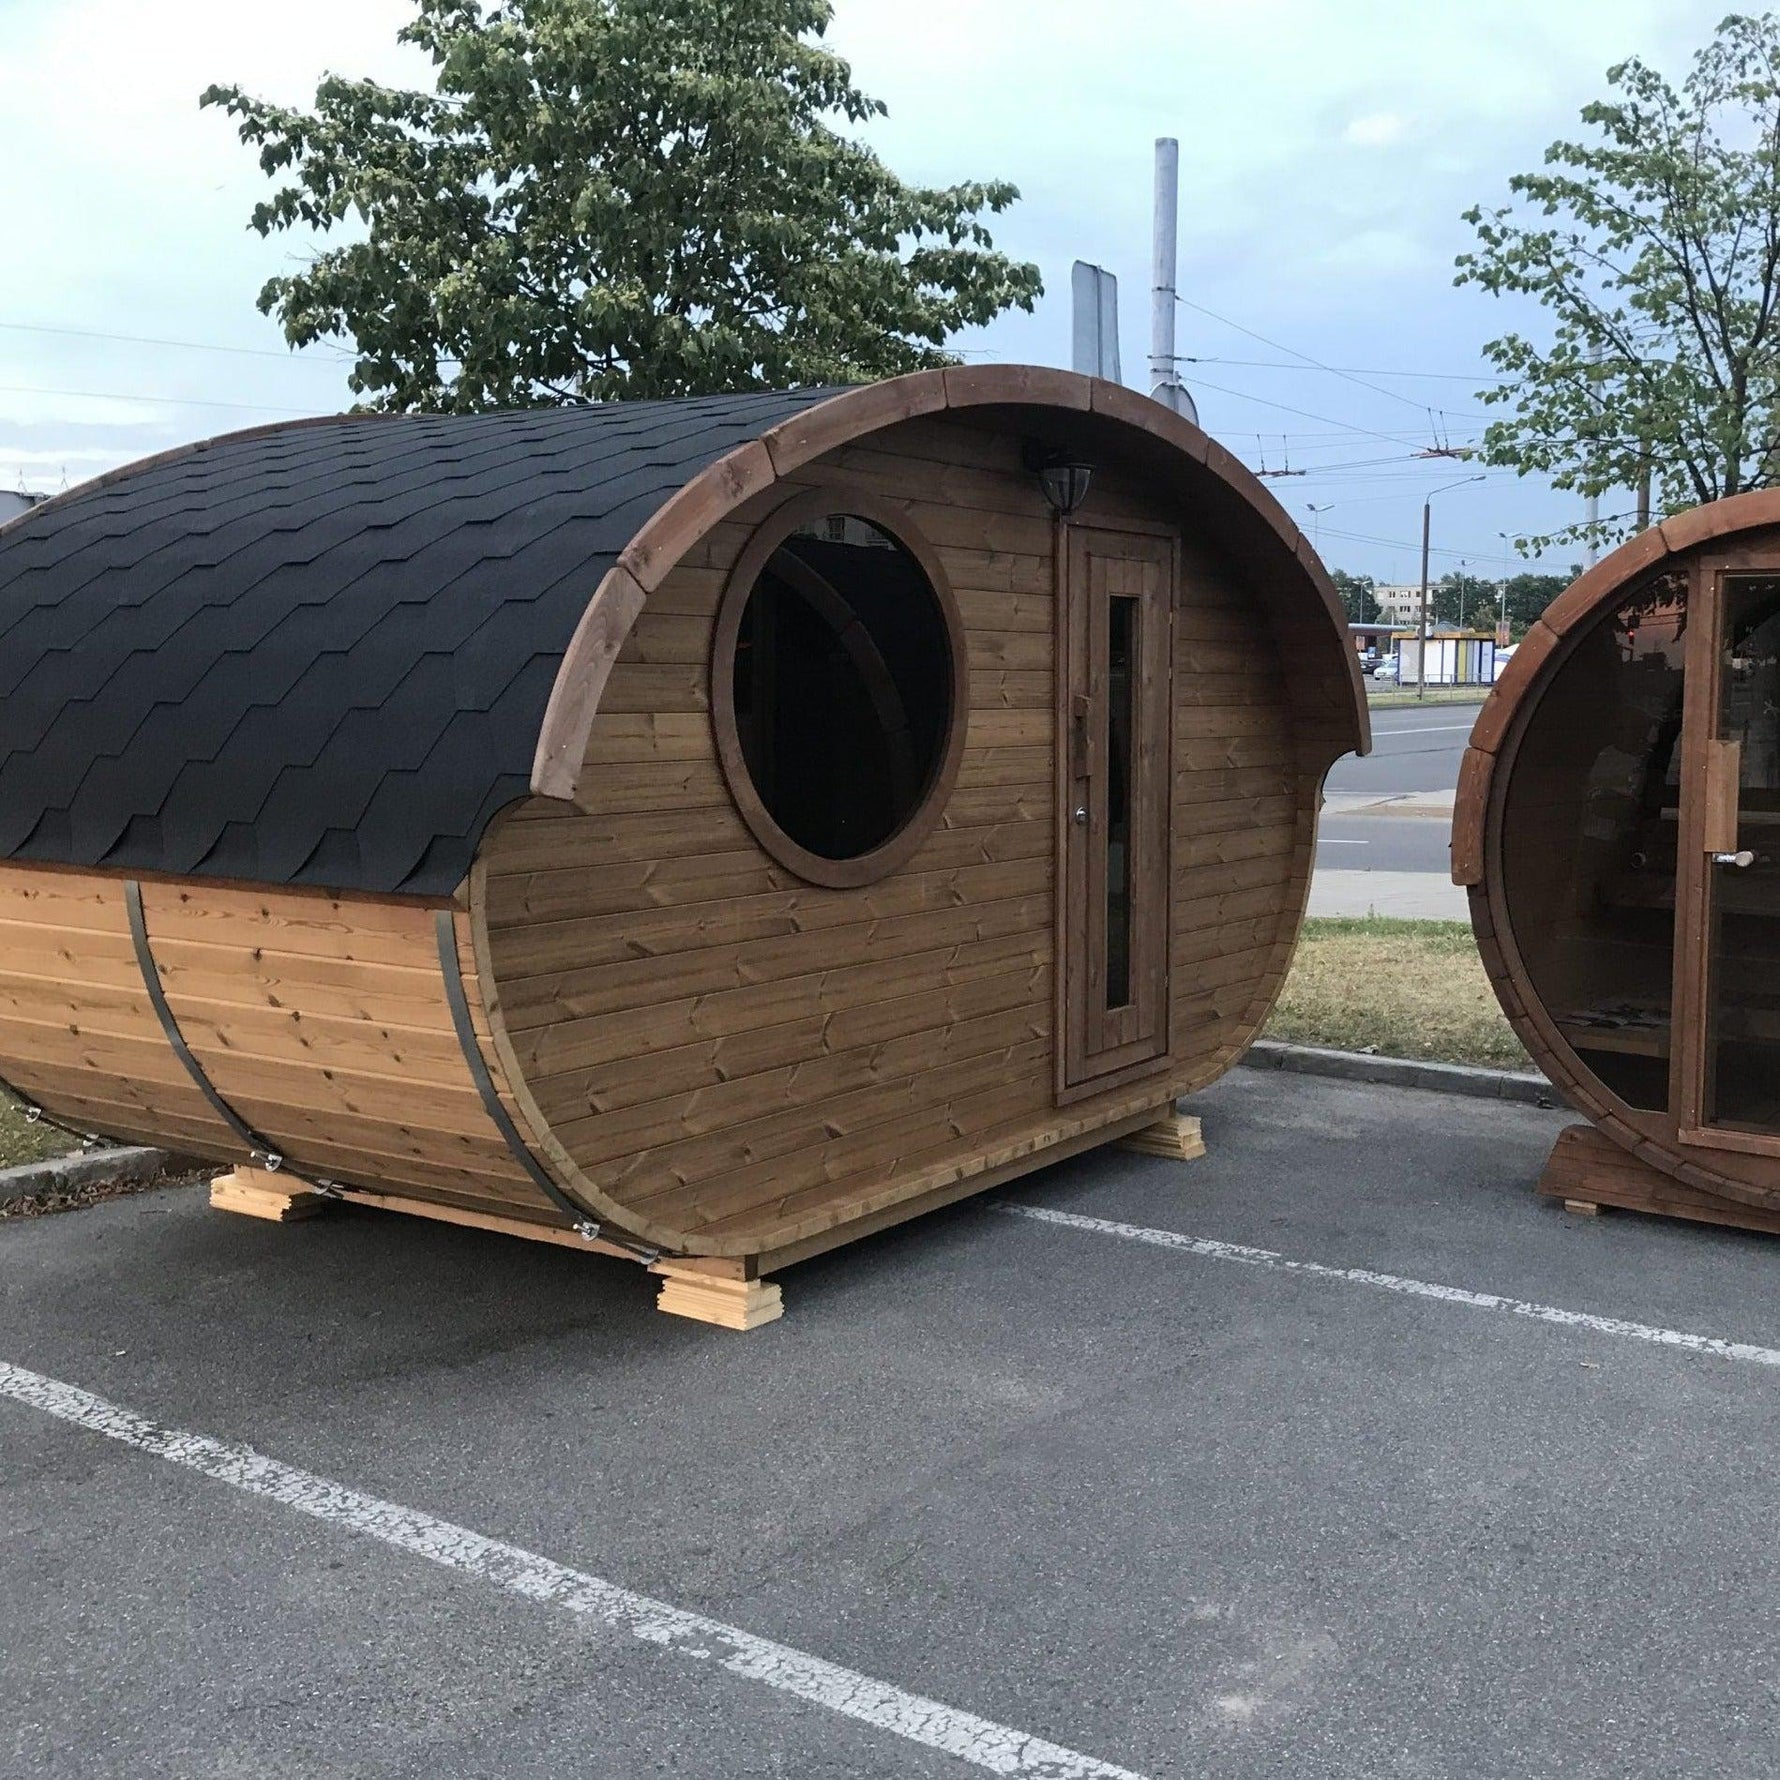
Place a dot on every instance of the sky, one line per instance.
(1327, 151)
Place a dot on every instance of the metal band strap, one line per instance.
(459, 1003)
(151, 981)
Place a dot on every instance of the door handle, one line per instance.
(1742, 861)
(1080, 815)
(1078, 737)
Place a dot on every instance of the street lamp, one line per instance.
(1421, 647)
(1508, 556)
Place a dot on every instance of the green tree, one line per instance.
(1357, 598)
(609, 198)
(1654, 247)
(1455, 598)
(1529, 595)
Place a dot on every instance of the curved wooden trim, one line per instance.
(580, 683)
(829, 425)
(726, 484)
(1721, 519)
(692, 510)
(800, 509)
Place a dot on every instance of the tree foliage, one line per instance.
(1654, 246)
(1469, 602)
(609, 198)
(1357, 598)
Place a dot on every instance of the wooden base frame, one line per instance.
(726, 1301)
(1588, 1170)
(259, 1193)
(1174, 1135)
(726, 1292)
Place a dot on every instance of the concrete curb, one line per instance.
(85, 1168)
(1404, 1072)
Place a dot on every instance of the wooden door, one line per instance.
(1728, 909)
(1116, 611)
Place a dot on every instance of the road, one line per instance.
(1412, 750)
(1395, 864)
(1320, 1505)
(1384, 843)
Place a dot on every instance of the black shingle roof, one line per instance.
(321, 654)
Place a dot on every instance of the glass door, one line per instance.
(1730, 1067)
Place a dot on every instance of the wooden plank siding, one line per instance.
(322, 1021)
(739, 1060)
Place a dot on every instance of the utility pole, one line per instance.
(1421, 647)
(1421, 651)
(1165, 383)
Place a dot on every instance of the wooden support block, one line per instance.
(1588, 1170)
(1174, 1135)
(709, 1298)
(257, 1193)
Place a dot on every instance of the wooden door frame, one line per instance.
(1696, 877)
(1071, 607)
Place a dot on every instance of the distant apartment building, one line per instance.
(14, 502)
(1399, 605)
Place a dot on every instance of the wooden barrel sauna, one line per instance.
(1618, 828)
(706, 829)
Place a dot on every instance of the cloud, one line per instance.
(1377, 129)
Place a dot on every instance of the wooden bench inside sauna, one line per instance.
(1618, 826)
(701, 831)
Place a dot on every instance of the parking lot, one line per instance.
(1333, 1453)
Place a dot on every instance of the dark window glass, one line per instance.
(1743, 958)
(843, 686)
(1589, 842)
(1121, 668)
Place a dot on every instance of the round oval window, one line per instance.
(842, 684)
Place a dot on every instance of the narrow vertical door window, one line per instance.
(1121, 670)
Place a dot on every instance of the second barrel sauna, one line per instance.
(1618, 826)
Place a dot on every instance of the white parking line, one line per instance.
(976, 1740)
(1384, 735)
(1389, 1282)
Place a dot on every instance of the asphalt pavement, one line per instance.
(1334, 1453)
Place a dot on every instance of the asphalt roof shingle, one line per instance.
(320, 655)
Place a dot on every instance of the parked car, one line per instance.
(1503, 657)
(1386, 670)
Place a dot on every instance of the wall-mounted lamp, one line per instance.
(1063, 478)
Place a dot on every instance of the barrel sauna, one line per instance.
(705, 831)
(1618, 828)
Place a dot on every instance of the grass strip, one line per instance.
(1400, 988)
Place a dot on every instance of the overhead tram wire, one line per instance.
(290, 356)
(1273, 364)
(1305, 414)
(1316, 363)
(113, 395)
